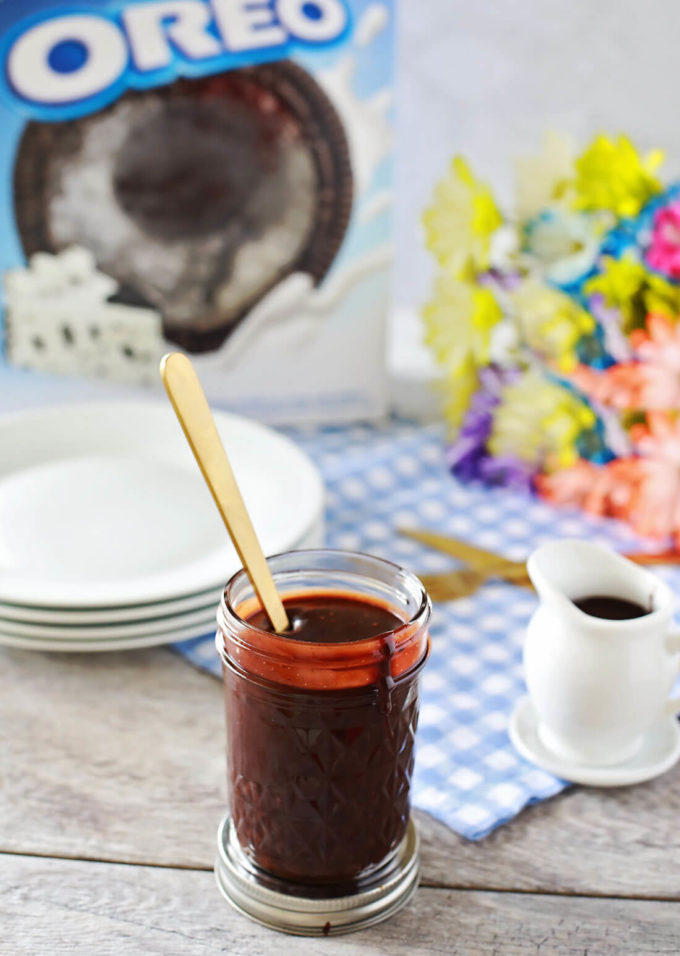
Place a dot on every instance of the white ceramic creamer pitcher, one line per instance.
(597, 685)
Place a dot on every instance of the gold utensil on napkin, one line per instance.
(487, 563)
(482, 565)
(454, 584)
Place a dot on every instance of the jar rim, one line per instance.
(419, 616)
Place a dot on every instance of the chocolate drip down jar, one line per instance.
(321, 725)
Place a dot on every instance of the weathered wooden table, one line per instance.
(112, 786)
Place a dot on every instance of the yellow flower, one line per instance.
(458, 386)
(550, 322)
(543, 178)
(626, 285)
(661, 297)
(611, 174)
(459, 320)
(459, 222)
(458, 323)
(539, 422)
(619, 282)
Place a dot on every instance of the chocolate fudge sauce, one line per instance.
(320, 778)
(611, 608)
(332, 618)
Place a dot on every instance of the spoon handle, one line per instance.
(192, 409)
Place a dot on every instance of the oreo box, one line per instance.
(205, 175)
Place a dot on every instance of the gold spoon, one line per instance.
(192, 409)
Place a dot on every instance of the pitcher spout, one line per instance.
(566, 570)
(546, 568)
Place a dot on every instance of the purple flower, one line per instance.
(496, 278)
(507, 471)
(494, 378)
(467, 455)
(615, 340)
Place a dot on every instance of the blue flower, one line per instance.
(564, 243)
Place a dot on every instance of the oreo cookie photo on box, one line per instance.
(208, 176)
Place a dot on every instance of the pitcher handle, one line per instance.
(673, 647)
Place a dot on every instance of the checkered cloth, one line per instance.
(467, 772)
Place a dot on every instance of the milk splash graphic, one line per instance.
(294, 310)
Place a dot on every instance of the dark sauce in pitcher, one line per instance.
(320, 778)
(611, 608)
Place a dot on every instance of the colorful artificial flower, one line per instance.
(626, 285)
(615, 434)
(559, 331)
(659, 343)
(661, 297)
(459, 384)
(458, 324)
(664, 250)
(597, 489)
(643, 489)
(508, 471)
(468, 449)
(543, 178)
(550, 322)
(505, 345)
(620, 283)
(657, 349)
(459, 320)
(468, 456)
(655, 507)
(539, 422)
(504, 255)
(565, 245)
(651, 382)
(611, 174)
(618, 386)
(460, 221)
(614, 339)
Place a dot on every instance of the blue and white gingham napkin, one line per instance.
(467, 772)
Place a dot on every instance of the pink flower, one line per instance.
(655, 510)
(597, 489)
(643, 489)
(664, 251)
(619, 386)
(652, 382)
(659, 343)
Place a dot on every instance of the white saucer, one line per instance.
(660, 750)
(103, 504)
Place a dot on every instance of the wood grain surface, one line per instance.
(112, 786)
(56, 906)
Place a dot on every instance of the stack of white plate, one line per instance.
(109, 538)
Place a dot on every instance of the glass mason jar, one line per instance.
(320, 736)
